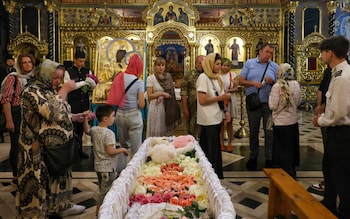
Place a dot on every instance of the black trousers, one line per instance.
(338, 140)
(330, 194)
(210, 144)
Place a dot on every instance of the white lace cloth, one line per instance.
(115, 204)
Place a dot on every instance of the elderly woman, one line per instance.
(284, 99)
(11, 89)
(44, 107)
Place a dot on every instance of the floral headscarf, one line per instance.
(208, 65)
(117, 92)
(45, 72)
(285, 73)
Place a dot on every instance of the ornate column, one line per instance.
(51, 29)
(222, 49)
(331, 6)
(92, 54)
(10, 7)
(248, 47)
(191, 54)
(291, 37)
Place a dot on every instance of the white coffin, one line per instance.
(115, 204)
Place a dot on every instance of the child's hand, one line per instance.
(89, 115)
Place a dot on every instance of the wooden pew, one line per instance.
(286, 196)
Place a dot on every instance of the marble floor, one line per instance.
(250, 188)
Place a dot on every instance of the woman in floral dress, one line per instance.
(40, 195)
(161, 96)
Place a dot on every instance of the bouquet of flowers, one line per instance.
(90, 82)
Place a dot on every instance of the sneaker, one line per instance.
(76, 209)
(223, 147)
(252, 164)
(318, 186)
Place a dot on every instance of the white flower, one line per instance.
(139, 189)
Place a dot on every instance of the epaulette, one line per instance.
(338, 73)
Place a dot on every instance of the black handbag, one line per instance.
(253, 100)
(59, 158)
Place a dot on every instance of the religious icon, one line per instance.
(104, 20)
(120, 55)
(235, 52)
(235, 20)
(158, 17)
(183, 18)
(171, 15)
(209, 47)
(80, 47)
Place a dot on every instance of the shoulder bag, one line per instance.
(253, 100)
(270, 120)
(221, 102)
(128, 87)
(58, 159)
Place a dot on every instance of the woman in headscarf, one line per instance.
(44, 107)
(127, 92)
(164, 112)
(11, 89)
(211, 111)
(284, 99)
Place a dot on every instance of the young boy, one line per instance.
(103, 140)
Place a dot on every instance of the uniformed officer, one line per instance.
(189, 97)
(79, 98)
(337, 118)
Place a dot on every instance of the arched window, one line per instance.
(311, 21)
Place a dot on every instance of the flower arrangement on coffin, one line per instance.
(177, 181)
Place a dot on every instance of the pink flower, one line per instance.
(93, 77)
(139, 197)
(144, 201)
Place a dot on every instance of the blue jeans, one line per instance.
(130, 126)
(254, 118)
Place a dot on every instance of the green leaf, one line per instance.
(196, 213)
(188, 214)
(187, 208)
(195, 204)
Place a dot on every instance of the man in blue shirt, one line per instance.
(254, 80)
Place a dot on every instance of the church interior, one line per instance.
(109, 32)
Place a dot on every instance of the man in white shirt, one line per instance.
(337, 118)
